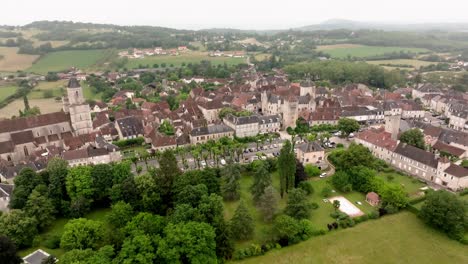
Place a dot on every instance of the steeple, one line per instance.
(80, 112)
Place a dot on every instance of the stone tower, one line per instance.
(392, 124)
(307, 87)
(80, 112)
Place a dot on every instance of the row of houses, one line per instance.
(425, 165)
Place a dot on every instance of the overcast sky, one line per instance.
(242, 14)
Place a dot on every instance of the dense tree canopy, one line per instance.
(444, 211)
(413, 137)
(81, 233)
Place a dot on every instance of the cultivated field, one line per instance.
(190, 57)
(342, 51)
(400, 238)
(12, 61)
(415, 64)
(6, 91)
(63, 60)
(46, 106)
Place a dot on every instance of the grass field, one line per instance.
(56, 229)
(410, 184)
(342, 51)
(57, 89)
(319, 217)
(400, 238)
(46, 106)
(63, 60)
(12, 61)
(89, 92)
(416, 64)
(190, 57)
(6, 91)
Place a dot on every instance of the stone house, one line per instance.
(201, 135)
(310, 153)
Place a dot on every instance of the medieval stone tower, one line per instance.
(80, 112)
(392, 124)
(307, 88)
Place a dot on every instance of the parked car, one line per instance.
(323, 175)
(223, 162)
(203, 163)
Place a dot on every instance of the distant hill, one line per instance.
(334, 24)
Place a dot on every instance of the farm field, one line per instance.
(6, 91)
(45, 89)
(190, 57)
(416, 64)
(342, 51)
(46, 105)
(56, 230)
(63, 60)
(12, 61)
(399, 238)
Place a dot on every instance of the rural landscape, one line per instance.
(339, 141)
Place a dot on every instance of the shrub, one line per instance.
(339, 145)
(373, 215)
(326, 191)
(314, 205)
(307, 187)
(312, 171)
(52, 242)
(390, 177)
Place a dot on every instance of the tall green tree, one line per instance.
(20, 228)
(81, 233)
(230, 186)
(190, 242)
(139, 249)
(41, 208)
(286, 167)
(165, 175)
(120, 214)
(268, 203)
(79, 182)
(446, 212)
(58, 170)
(262, 179)
(102, 180)
(413, 137)
(8, 254)
(348, 125)
(241, 224)
(298, 206)
(25, 183)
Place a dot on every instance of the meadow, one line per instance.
(46, 105)
(190, 57)
(6, 91)
(415, 64)
(319, 217)
(48, 90)
(342, 51)
(63, 60)
(11, 61)
(398, 238)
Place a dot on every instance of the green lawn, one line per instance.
(414, 63)
(89, 92)
(410, 184)
(63, 60)
(363, 51)
(6, 91)
(319, 217)
(39, 92)
(399, 238)
(56, 229)
(191, 57)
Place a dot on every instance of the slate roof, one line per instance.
(6, 190)
(22, 137)
(130, 126)
(457, 171)
(242, 120)
(417, 154)
(441, 146)
(24, 123)
(6, 147)
(310, 147)
(209, 130)
(73, 83)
